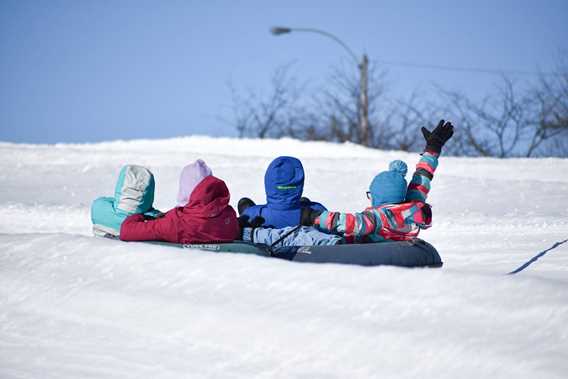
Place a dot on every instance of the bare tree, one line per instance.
(331, 114)
(403, 122)
(510, 123)
(491, 128)
(268, 116)
(550, 107)
(339, 105)
(517, 120)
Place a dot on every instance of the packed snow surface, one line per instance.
(75, 306)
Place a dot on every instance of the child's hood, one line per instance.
(134, 191)
(284, 183)
(209, 198)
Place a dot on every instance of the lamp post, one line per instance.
(363, 66)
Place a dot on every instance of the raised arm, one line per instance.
(419, 186)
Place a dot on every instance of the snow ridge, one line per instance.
(72, 305)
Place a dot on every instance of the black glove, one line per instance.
(246, 222)
(309, 216)
(243, 204)
(437, 138)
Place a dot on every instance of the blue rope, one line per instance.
(535, 258)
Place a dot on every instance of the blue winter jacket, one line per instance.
(284, 184)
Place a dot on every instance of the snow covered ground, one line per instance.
(72, 306)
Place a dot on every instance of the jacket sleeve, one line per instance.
(419, 186)
(358, 224)
(137, 228)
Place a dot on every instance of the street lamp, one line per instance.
(363, 79)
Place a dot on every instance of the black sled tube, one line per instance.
(414, 253)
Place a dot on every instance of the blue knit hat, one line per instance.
(389, 187)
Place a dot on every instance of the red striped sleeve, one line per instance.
(399, 219)
(418, 216)
(369, 227)
(425, 166)
(349, 223)
(418, 187)
(328, 221)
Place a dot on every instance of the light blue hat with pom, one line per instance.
(389, 187)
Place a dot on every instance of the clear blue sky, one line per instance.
(80, 71)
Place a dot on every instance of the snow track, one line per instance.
(75, 306)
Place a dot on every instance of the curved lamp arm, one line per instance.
(278, 30)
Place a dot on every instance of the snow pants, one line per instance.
(302, 236)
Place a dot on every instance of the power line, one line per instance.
(479, 70)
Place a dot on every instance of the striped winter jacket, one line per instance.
(397, 222)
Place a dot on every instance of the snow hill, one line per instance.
(72, 306)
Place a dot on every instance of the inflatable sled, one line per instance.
(414, 253)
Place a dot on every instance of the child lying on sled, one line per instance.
(203, 213)
(133, 193)
(284, 185)
(398, 212)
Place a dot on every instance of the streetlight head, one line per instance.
(277, 30)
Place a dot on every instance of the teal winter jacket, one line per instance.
(134, 193)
